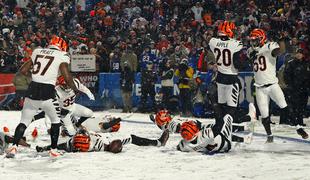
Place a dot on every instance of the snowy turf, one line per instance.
(284, 159)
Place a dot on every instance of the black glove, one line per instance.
(253, 55)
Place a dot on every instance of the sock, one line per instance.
(139, 141)
(55, 135)
(19, 133)
(235, 138)
(266, 124)
(245, 118)
(80, 121)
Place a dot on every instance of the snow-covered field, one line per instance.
(286, 158)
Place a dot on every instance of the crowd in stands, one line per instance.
(136, 33)
(118, 30)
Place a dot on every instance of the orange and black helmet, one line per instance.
(81, 142)
(116, 127)
(226, 28)
(162, 117)
(58, 43)
(259, 35)
(189, 130)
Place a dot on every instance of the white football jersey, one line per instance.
(97, 141)
(46, 64)
(66, 97)
(265, 65)
(223, 52)
(204, 137)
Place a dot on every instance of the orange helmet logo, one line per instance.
(189, 130)
(162, 118)
(226, 29)
(260, 35)
(58, 43)
(81, 142)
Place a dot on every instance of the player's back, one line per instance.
(265, 65)
(223, 50)
(98, 140)
(46, 64)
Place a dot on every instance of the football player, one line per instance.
(227, 51)
(207, 139)
(6, 139)
(84, 141)
(69, 109)
(164, 121)
(44, 66)
(263, 54)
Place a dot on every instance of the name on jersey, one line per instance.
(222, 44)
(45, 51)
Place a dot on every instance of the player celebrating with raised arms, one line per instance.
(263, 54)
(44, 66)
(226, 51)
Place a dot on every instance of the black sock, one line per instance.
(39, 116)
(245, 118)
(235, 138)
(19, 133)
(139, 141)
(54, 135)
(266, 124)
(81, 120)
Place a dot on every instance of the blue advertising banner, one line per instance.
(110, 93)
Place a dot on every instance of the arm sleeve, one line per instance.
(83, 89)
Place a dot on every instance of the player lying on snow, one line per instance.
(84, 141)
(72, 125)
(6, 139)
(211, 138)
(66, 98)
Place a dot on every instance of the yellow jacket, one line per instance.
(189, 76)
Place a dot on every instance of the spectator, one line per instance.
(21, 83)
(197, 10)
(127, 82)
(131, 58)
(297, 77)
(115, 61)
(148, 80)
(166, 77)
(185, 74)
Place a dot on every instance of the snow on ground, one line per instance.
(284, 159)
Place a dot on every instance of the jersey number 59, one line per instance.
(260, 64)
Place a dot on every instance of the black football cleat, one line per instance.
(269, 139)
(302, 133)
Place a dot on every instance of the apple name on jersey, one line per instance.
(46, 64)
(265, 65)
(223, 52)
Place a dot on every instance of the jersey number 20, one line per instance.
(226, 57)
(37, 64)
